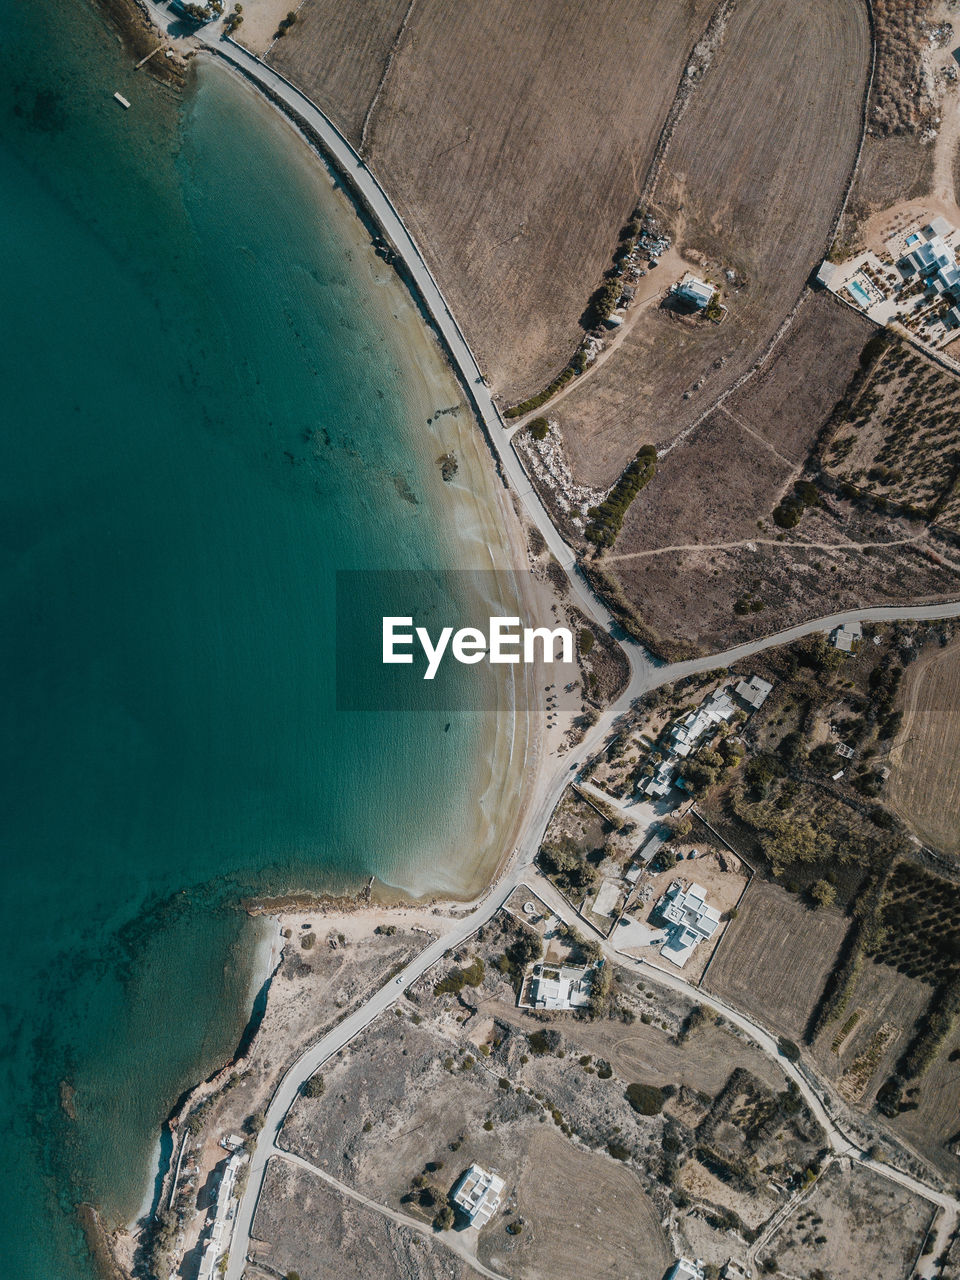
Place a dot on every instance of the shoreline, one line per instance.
(491, 533)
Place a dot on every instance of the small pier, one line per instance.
(148, 57)
(118, 97)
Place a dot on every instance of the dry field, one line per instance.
(648, 1053)
(305, 1226)
(792, 394)
(924, 785)
(855, 1224)
(573, 1244)
(514, 143)
(337, 53)
(752, 181)
(837, 558)
(776, 957)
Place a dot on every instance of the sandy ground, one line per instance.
(260, 18)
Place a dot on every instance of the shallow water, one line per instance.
(209, 410)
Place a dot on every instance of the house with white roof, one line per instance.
(685, 733)
(478, 1195)
(562, 986)
(691, 920)
(933, 260)
(847, 637)
(692, 289)
(684, 1269)
(754, 692)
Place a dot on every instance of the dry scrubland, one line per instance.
(752, 180)
(303, 1225)
(776, 957)
(843, 1229)
(466, 1076)
(513, 143)
(924, 786)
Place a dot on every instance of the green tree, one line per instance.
(823, 893)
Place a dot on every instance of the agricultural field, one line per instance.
(337, 54)
(305, 1227)
(898, 438)
(924, 783)
(931, 1121)
(844, 1229)
(737, 193)
(776, 957)
(515, 149)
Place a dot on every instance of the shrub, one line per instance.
(539, 428)
(646, 1099)
(314, 1087)
(606, 519)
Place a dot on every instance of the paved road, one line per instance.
(645, 673)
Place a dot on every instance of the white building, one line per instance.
(754, 692)
(691, 919)
(661, 782)
(716, 709)
(684, 1269)
(559, 987)
(478, 1195)
(847, 637)
(222, 1229)
(692, 289)
(933, 259)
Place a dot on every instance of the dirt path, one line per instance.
(650, 289)
(751, 543)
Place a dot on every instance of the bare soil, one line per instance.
(304, 1225)
(514, 143)
(752, 182)
(577, 1243)
(853, 1237)
(776, 957)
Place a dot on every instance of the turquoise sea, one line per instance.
(208, 410)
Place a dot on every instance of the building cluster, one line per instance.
(478, 1194)
(931, 259)
(687, 734)
(914, 281)
(688, 919)
(225, 1208)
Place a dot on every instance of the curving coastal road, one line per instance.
(645, 673)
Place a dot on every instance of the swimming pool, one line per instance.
(914, 239)
(860, 294)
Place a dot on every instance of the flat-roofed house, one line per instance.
(754, 692)
(684, 1269)
(847, 637)
(691, 919)
(478, 1195)
(692, 289)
